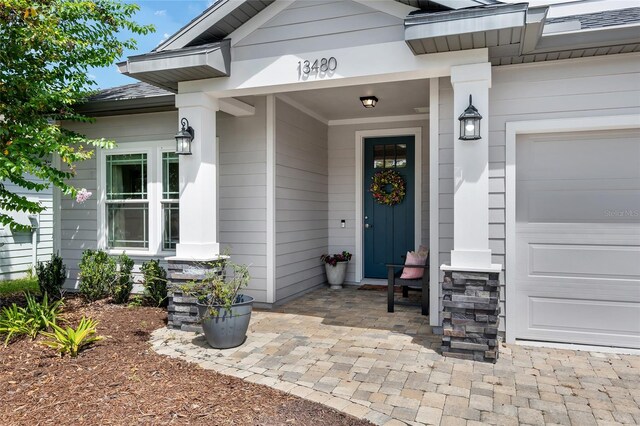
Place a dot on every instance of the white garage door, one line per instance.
(578, 238)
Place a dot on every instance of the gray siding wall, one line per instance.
(301, 200)
(79, 223)
(307, 26)
(342, 190)
(571, 88)
(243, 193)
(16, 248)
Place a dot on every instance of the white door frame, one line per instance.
(361, 135)
(513, 129)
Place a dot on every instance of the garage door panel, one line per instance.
(577, 254)
(579, 289)
(590, 321)
(593, 205)
(584, 261)
(561, 156)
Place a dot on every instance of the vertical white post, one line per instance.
(271, 198)
(199, 180)
(471, 171)
(434, 201)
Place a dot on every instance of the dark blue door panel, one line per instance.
(389, 230)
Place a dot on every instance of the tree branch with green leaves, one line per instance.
(48, 46)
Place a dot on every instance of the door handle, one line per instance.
(366, 225)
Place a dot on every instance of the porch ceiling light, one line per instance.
(368, 101)
(184, 138)
(470, 123)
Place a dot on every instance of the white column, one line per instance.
(471, 172)
(199, 180)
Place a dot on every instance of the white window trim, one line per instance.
(361, 135)
(154, 150)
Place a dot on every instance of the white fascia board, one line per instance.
(198, 26)
(586, 39)
(534, 26)
(385, 62)
(390, 7)
(477, 24)
(213, 59)
(236, 108)
(264, 16)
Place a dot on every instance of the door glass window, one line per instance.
(391, 156)
(378, 157)
(401, 155)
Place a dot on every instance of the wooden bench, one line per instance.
(419, 284)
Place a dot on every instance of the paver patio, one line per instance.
(341, 348)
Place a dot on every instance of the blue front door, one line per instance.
(389, 230)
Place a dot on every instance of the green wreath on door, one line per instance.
(381, 181)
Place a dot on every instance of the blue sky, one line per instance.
(168, 16)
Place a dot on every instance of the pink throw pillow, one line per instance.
(413, 258)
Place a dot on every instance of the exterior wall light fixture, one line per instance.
(184, 138)
(368, 101)
(470, 123)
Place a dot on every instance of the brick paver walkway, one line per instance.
(341, 348)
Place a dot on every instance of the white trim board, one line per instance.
(297, 105)
(384, 119)
(264, 16)
(390, 7)
(512, 130)
(57, 210)
(434, 202)
(416, 132)
(271, 198)
(199, 25)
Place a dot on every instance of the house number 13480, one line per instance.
(323, 65)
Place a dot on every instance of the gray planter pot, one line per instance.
(227, 329)
(336, 274)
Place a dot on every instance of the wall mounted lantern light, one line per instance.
(470, 123)
(184, 138)
(368, 101)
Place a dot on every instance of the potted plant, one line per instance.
(224, 311)
(335, 266)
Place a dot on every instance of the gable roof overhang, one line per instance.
(166, 68)
(515, 33)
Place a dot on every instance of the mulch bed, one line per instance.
(122, 381)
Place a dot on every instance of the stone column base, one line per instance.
(471, 315)
(182, 309)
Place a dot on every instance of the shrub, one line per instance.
(123, 284)
(16, 321)
(155, 282)
(97, 274)
(136, 301)
(51, 277)
(67, 340)
(13, 323)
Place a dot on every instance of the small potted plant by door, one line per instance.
(335, 266)
(224, 311)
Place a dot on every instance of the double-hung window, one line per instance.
(141, 199)
(127, 201)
